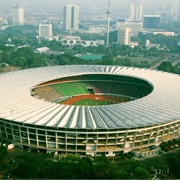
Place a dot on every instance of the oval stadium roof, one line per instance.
(17, 104)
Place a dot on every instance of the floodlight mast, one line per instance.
(108, 18)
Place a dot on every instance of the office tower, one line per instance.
(139, 12)
(124, 36)
(45, 30)
(151, 21)
(18, 15)
(71, 17)
(131, 12)
(109, 18)
(135, 26)
(135, 13)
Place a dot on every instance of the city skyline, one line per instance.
(120, 9)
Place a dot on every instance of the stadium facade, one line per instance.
(139, 125)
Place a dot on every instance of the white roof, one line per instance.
(17, 104)
(42, 49)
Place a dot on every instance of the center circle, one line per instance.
(92, 89)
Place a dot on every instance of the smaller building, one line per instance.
(124, 36)
(165, 33)
(70, 40)
(45, 30)
(149, 45)
(151, 21)
(76, 40)
(133, 44)
(136, 26)
(146, 152)
(97, 30)
(42, 49)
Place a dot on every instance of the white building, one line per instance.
(124, 36)
(136, 27)
(131, 12)
(70, 40)
(71, 17)
(149, 45)
(97, 30)
(139, 12)
(45, 30)
(135, 13)
(18, 15)
(76, 40)
(165, 33)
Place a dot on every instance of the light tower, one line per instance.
(108, 18)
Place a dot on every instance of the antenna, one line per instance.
(108, 18)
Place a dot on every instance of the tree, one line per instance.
(174, 163)
(102, 167)
(3, 152)
(166, 66)
(140, 173)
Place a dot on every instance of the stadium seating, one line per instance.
(101, 83)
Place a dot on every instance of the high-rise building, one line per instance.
(45, 30)
(131, 12)
(71, 17)
(139, 12)
(18, 15)
(135, 13)
(124, 36)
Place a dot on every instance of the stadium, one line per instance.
(89, 109)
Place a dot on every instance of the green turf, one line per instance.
(88, 102)
(71, 88)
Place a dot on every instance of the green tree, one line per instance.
(102, 167)
(166, 66)
(174, 163)
(140, 173)
(3, 152)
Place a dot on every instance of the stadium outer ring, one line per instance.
(138, 126)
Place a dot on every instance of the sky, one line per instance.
(117, 6)
(114, 3)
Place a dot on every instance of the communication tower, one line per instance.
(108, 18)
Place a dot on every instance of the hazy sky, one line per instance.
(86, 6)
(114, 3)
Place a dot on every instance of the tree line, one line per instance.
(26, 57)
